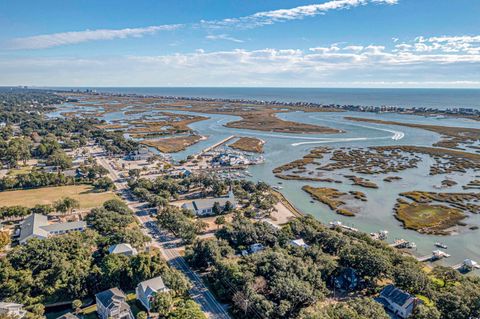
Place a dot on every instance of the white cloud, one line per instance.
(223, 37)
(255, 20)
(74, 37)
(444, 44)
(281, 15)
(402, 64)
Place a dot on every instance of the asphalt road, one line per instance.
(168, 247)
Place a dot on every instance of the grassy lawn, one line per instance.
(47, 195)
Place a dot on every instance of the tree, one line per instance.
(142, 315)
(163, 304)
(447, 274)
(104, 184)
(117, 205)
(216, 209)
(66, 205)
(4, 239)
(187, 310)
(60, 159)
(228, 208)
(357, 308)
(367, 261)
(38, 310)
(18, 150)
(203, 253)
(426, 312)
(43, 209)
(77, 305)
(220, 220)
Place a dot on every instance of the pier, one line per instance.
(466, 266)
(208, 149)
(339, 224)
(436, 255)
(400, 243)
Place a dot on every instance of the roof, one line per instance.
(9, 305)
(31, 225)
(299, 242)
(122, 249)
(470, 263)
(397, 296)
(65, 226)
(106, 297)
(37, 225)
(205, 203)
(152, 285)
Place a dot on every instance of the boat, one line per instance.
(441, 245)
(411, 245)
(277, 187)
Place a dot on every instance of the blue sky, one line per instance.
(322, 43)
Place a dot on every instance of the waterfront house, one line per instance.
(12, 309)
(123, 249)
(112, 304)
(397, 301)
(204, 206)
(146, 290)
(37, 226)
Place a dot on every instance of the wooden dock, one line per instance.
(436, 255)
(225, 140)
(400, 243)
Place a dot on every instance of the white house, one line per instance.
(204, 206)
(123, 249)
(397, 301)
(37, 226)
(146, 290)
(112, 304)
(12, 309)
(299, 243)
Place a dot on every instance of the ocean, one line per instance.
(433, 98)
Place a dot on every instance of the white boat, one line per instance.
(441, 245)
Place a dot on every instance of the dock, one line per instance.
(467, 265)
(225, 140)
(436, 255)
(401, 243)
(339, 224)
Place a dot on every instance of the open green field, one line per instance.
(47, 195)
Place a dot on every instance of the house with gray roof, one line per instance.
(112, 303)
(38, 226)
(397, 301)
(148, 289)
(204, 206)
(12, 309)
(123, 249)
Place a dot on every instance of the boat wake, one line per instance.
(396, 135)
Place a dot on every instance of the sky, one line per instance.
(241, 43)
